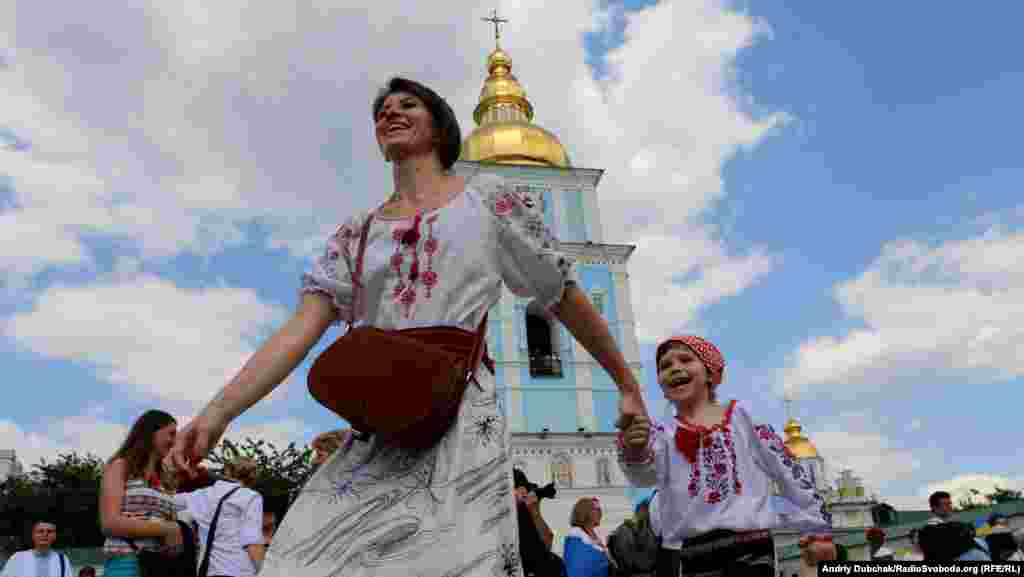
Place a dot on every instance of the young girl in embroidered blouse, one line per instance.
(714, 469)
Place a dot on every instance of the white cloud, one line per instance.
(938, 312)
(857, 441)
(201, 117)
(673, 277)
(82, 434)
(280, 433)
(148, 335)
(959, 487)
(94, 433)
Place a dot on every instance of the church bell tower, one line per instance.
(560, 404)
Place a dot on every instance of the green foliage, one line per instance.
(65, 490)
(281, 473)
(69, 471)
(979, 500)
(1001, 495)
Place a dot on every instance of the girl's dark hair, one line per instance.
(445, 123)
(138, 446)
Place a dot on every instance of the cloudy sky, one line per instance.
(832, 194)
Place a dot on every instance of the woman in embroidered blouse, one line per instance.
(437, 254)
(713, 467)
(132, 502)
(586, 554)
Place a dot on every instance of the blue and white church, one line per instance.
(561, 405)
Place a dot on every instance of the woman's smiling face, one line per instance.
(404, 126)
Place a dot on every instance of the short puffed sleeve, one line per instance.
(531, 261)
(331, 271)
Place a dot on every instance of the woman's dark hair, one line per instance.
(138, 446)
(445, 123)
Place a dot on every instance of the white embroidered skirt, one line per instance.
(384, 512)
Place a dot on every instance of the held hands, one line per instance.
(195, 441)
(815, 549)
(631, 406)
(634, 422)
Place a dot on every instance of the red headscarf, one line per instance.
(688, 440)
(705, 350)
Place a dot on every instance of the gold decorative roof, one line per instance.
(505, 133)
(796, 442)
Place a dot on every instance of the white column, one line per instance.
(584, 366)
(624, 307)
(510, 354)
(592, 218)
(560, 226)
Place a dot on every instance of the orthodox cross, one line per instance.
(787, 402)
(494, 19)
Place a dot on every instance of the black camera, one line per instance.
(545, 492)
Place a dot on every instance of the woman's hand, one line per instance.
(631, 406)
(195, 442)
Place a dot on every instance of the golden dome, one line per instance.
(504, 132)
(797, 443)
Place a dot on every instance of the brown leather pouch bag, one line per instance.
(403, 386)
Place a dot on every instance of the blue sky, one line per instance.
(831, 193)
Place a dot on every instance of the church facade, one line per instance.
(9, 464)
(561, 406)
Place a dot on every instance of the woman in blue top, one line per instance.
(586, 554)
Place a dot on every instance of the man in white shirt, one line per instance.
(41, 560)
(238, 546)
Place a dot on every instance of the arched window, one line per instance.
(604, 472)
(561, 470)
(541, 345)
(538, 335)
(597, 298)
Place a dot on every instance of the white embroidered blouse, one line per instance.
(449, 271)
(729, 486)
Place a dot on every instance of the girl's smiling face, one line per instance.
(683, 377)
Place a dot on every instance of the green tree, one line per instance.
(281, 473)
(1000, 495)
(69, 471)
(970, 502)
(65, 490)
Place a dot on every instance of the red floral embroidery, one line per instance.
(429, 280)
(406, 244)
(715, 459)
(408, 296)
(504, 204)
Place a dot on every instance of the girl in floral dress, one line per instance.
(714, 467)
(437, 254)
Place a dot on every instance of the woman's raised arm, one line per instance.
(587, 326)
(262, 373)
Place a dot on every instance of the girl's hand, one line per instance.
(813, 550)
(637, 436)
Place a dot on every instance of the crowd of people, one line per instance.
(424, 268)
(945, 539)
